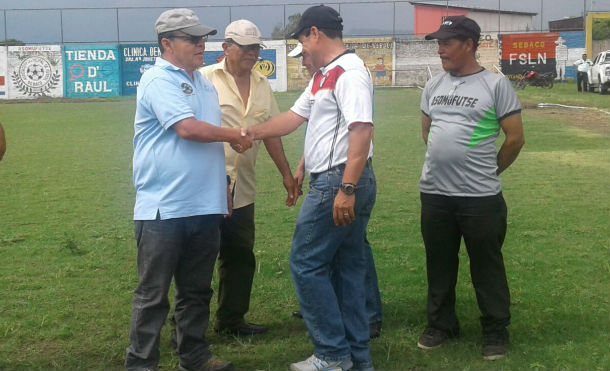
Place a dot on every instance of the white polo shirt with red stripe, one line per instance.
(338, 95)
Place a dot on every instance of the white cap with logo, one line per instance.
(183, 20)
(297, 51)
(243, 32)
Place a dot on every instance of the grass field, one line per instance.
(68, 257)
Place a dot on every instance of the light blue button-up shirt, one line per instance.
(176, 177)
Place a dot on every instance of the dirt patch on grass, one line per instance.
(588, 119)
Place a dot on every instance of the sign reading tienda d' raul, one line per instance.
(92, 71)
(135, 60)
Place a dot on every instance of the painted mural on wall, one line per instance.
(528, 51)
(574, 42)
(135, 60)
(35, 71)
(92, 71)
(377, 53)
(3, 72)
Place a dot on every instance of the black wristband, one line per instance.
(228, 179)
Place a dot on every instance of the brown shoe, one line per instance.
(212, 364)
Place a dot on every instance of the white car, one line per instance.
(599, 73)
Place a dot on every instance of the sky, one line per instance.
(78, 21)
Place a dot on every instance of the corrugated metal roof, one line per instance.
(455, 4)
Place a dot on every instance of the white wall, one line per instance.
(509, 22)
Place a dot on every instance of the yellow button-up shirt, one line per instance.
(261, 106)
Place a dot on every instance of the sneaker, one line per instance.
(495, 345)
(212, 364)
(314, 363)
(433, 338)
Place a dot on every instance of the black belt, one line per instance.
(369, 162)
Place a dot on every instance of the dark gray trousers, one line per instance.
(481, 221)
(185, 249)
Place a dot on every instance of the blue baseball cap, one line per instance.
(321, 16)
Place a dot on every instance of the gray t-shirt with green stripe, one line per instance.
(465, 112)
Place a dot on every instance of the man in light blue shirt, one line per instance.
(181, 195)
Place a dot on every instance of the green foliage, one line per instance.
(281, 32)
(601, 29)
(66, 185)
(11, 42)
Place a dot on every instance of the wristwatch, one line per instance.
(348, 188)
(228, 179)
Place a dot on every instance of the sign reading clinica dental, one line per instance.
(135, 60)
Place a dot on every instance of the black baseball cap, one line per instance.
(454, 26)
(321, 16)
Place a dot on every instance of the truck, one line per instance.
(599, 73)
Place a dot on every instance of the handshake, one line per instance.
(243, 140)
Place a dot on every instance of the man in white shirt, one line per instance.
(373, 297)
(329, 235)
(582, 68)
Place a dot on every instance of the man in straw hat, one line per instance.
(246, 99)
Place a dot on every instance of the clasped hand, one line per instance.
(243, 141)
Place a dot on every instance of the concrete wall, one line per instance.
(599, 46)
(488, 54)
(413, 59)
(508, 22)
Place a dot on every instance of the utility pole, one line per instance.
(499, 29)
(541, 13)
(584, 10)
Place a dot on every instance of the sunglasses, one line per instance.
(192, 39)
(248, 48)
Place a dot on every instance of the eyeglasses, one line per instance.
(192, 39)
(249, 48)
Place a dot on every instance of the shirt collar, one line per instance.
(167, 65)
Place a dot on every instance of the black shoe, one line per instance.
(297, 314)
(433, 338)
(242, 329)
(375, 330)
(495, 345)
(212, 364)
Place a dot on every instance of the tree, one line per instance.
(11, 42)
(280, 32)
(601, 29)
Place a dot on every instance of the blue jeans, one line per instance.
(371, 287)
(334, 308)
(185, 249)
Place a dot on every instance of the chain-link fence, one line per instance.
(371, 19)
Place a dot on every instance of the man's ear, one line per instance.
(469, 44)
(314, 33)
(225, 46)
(166, 43)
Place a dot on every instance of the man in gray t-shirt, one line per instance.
(463, 111)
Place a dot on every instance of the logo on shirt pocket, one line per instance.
(186, 88)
